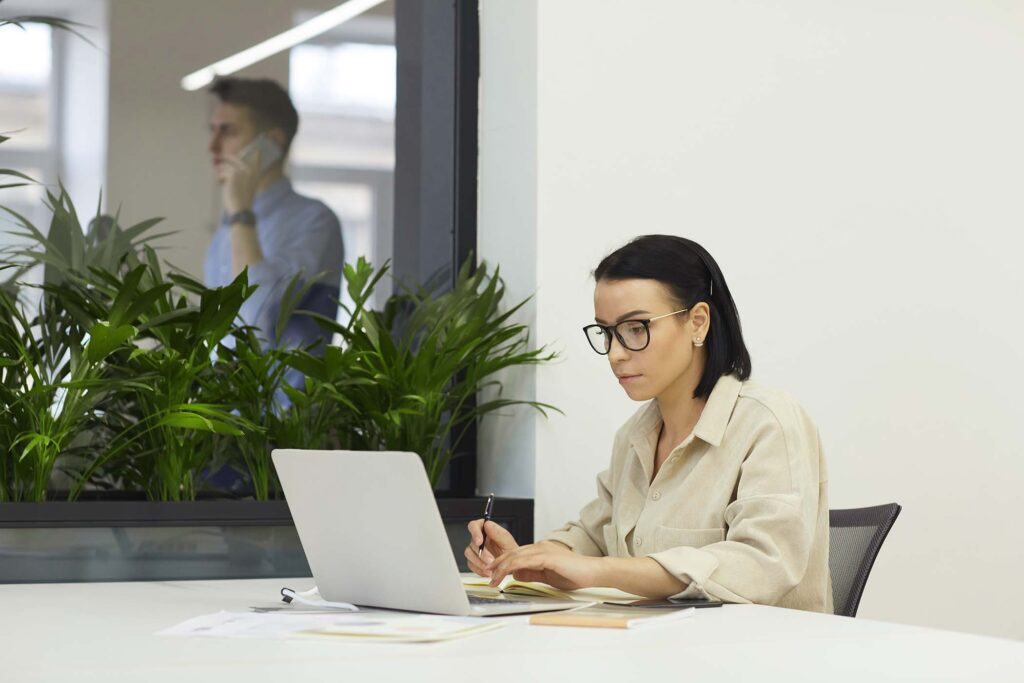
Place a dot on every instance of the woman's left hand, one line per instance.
(551, 563)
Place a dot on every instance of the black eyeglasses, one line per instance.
(634, 335)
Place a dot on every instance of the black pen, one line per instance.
(487, 517)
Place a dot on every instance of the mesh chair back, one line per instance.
(855, 537)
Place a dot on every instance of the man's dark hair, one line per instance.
(266, 99)
(692, 276)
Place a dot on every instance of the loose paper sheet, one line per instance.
(364, 626)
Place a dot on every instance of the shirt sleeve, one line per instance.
(771, 522)
(315, 248)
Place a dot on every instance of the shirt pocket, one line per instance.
(611, 540)
(666, 537)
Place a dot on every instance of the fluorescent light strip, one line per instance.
(282, 41)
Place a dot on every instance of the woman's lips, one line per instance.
(626, 379)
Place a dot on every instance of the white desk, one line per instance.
(104, 632)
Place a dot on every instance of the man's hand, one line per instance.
(548, 562)
(239, 180)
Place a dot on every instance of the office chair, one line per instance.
(855, 537)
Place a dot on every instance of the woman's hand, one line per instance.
(549, 562)
(499, 542)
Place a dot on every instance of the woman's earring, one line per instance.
(698, 342)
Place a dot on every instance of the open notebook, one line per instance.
(480, 585)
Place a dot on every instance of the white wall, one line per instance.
(856, 170)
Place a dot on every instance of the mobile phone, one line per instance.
(667, 604)
(270, 151)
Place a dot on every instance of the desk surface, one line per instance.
(104, 632)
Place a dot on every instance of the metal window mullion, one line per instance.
(53, 168)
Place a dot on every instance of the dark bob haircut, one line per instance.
(266, 99)
(692, 276)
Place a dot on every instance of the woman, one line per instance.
(717, 487)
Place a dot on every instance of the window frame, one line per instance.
(381, 181)
(46, 159)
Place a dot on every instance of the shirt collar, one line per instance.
(272, 195)
(717, 411)
(710, 427)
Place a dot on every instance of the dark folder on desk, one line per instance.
(666, 604)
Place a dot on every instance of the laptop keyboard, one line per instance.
(480, 600)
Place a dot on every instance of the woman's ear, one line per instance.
(700, 320)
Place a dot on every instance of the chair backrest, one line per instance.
(855, 537)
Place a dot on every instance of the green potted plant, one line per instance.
(120, 378)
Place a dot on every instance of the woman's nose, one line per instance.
(616, 351)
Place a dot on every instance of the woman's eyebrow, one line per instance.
(622, 317)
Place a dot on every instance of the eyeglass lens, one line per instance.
(632, 334)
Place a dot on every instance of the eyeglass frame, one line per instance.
(646, 322)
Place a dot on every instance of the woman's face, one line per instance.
(670, 363)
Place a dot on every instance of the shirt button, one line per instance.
(656, 495)
(639, 541)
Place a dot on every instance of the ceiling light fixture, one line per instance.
(282, 41)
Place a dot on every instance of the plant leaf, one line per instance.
(103, 339)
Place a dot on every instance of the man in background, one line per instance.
(265, 225)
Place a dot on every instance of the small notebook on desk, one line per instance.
(601, 616)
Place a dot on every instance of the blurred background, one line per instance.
(113, 116)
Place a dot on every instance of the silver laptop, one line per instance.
(373, 535)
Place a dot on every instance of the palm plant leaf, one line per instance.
(52, 22)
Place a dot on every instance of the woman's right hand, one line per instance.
(499, 542)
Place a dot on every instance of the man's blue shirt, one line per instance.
(297, 235)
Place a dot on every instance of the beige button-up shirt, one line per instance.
(738, 511)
